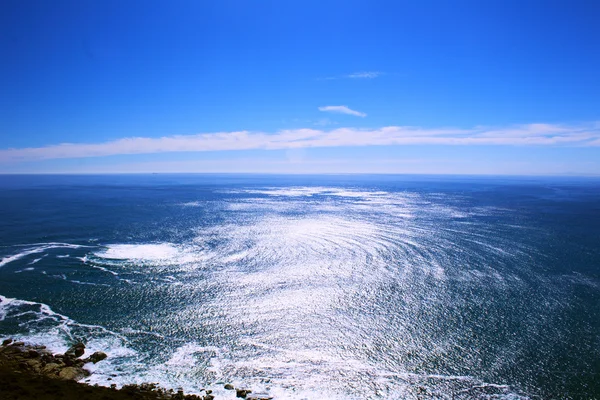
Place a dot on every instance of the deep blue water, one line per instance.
(317, 287)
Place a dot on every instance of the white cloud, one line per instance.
(364, 75)
(324, 122)
(342, 110)
(357, 75)
(521, 135)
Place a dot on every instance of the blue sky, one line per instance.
(473, 87)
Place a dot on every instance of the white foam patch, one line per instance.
(101, 268)
(86, 283)
(24, 270)
(191, 204)
(186, 355)
(159, 254)
(37, 260)
(140, 252)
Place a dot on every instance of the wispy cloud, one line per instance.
(364, 75)
(324, 122)
(521, 135)
(342, 110)
(357, 75)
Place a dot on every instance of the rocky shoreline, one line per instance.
(29, 371)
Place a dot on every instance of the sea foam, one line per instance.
(34, 249)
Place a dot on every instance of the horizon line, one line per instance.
(529, 175)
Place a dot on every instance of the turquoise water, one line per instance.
(312, 287)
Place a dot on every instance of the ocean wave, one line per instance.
(37, 248)
(41, 325)
(41, 321)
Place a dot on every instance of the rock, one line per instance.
(76, 350)
(97, 356)
(209, 397)
(47, 357)
(7, 342)
(18, 344)
(12, 350)
(242, 393)
(35, 365)
(33, 354)
(72, 373)
(51, 369)
(69, 362)
(73, 362)
(228, 386)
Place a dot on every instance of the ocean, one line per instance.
(311, 287)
